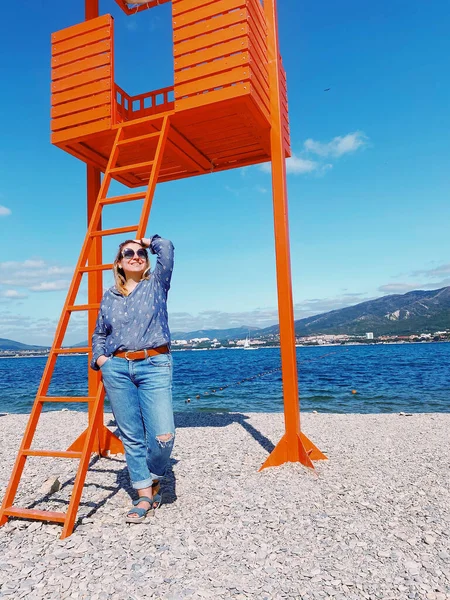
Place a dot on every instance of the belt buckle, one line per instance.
(128, 359)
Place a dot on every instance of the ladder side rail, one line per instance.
(78, 274)
(95, 423)
(20, 461)
(83, 466)
(36, 410)
(97, 415)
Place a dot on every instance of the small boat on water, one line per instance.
(247, 345)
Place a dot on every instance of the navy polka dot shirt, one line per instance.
(139, 320)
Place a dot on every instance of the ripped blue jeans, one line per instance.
(140, 393)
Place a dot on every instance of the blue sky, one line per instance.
(368, 183)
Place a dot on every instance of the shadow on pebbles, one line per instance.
(371, 522)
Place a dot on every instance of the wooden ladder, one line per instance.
(82, 448)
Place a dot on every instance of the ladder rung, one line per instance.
(66, 399)
(72, 350)
(132, 168)
(96, 268)
(30, 513)
(53, 453)
(160, 117)
(79, 307)
(126, 198)
(115, 231)
(139, 138)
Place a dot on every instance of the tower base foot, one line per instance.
(107, 443)
(295, 449)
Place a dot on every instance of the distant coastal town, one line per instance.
(271, 341)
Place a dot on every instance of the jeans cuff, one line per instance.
(145, 483)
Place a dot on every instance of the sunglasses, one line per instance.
(129, 253)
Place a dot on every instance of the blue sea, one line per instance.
(386, 378)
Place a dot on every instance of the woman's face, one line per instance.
(135, 264)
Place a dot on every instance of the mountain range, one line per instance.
(419, 311)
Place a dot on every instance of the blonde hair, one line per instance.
(119, 275)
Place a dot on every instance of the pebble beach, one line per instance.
(371, 522)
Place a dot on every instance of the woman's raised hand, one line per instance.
(144, 241)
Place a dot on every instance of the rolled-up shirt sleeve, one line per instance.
(164, 251)
(98, 341)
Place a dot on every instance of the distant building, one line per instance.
(369, 336)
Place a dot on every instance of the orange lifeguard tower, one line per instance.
(226, 109)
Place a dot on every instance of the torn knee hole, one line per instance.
(164, 438)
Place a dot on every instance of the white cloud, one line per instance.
(4, 211)
(295, 166)
(435, 272)
(51, 286)
(12, 294)
(34, 275)
(399, 288)
(338, 146)
(419, 280)
(260, 317)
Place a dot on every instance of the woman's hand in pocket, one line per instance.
(101, 360)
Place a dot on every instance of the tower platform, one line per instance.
(219, 104)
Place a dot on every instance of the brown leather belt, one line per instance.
(142, 354)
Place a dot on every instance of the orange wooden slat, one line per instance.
(258, 36)
(203, 42)
(81, 79)
(40, 515)
(235, 153)
(262, 90)
(82, 117)
(80, 53)
(210, 83)
(193, 59)
(240, 89)
(181, 6)
(81, 28)
(79, 66)
(211, 68)
(82, 91)
(81, 105)
(257, 20)
(80, 41)
(232, 143)
(209, 26)
(260, 103)
(81, 131)
(259, 51)
(200, 13)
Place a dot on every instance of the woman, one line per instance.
(131, 347)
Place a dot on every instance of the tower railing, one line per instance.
(129, 107)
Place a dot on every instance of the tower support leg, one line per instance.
(293, 446)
